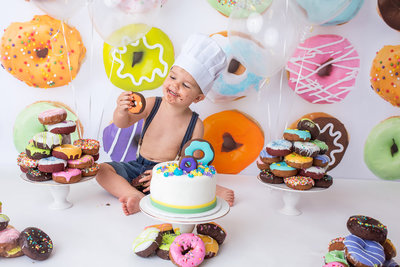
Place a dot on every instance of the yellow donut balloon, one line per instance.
(142, 65)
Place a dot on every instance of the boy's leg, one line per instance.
(227, 194)
(118, 186)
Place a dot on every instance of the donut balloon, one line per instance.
(235, 80)
(236, 138)
(43, 52)
(323, 69)
(381, 149)
(328, 13)
(26, 124)
(384, 74)
(142, 65)
(333, 132)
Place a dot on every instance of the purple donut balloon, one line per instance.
(187, 163)
(121, 143)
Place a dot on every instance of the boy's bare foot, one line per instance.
(130, 204)
(227, 194)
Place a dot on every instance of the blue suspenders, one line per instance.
(189, 130)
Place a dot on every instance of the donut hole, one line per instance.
(229, 143)
(137, 58)
(235, 67)
(325, 70)
(42, 52)
(198, 154)
(187, 250)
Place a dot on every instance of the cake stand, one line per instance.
(291, 197)
(184, 223)
(58, 191)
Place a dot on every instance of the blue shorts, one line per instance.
(132, 169)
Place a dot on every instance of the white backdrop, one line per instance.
(360, 111)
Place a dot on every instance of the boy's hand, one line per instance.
(146, 180)
(124, 101)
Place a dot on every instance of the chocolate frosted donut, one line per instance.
(35, 243)
(367, 228)
(334, 134)
(212, 229)
(270, 178)
(390, 12)
(308, 125)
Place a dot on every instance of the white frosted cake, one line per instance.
(177, 191)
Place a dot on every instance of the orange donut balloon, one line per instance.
(42, 52)
(236, 138)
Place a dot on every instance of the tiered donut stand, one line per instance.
(290, 197)
(59, 191)
(184, 223)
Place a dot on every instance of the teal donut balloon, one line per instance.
(382, 149)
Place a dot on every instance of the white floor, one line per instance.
(94, 231)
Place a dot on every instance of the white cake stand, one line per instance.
(184, 223)
(291, 197)
(58, 191)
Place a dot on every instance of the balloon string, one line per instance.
(71, 84)
(109, 75)
(90, 7)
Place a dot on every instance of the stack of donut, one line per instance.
(50, 154)
(367, 245)
(298, 160)
(31, 242)
(186, 249)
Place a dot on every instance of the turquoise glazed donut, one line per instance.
(320, 11)
(202, 145)
(381, 149)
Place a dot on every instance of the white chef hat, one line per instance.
(203, 58)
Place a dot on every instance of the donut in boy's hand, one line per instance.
(35, 243)
(138, 103)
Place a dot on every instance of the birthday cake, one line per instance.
(186, 186)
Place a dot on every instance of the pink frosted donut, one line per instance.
(323, 69)
(187, 250)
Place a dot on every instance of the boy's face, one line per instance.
(179, 87)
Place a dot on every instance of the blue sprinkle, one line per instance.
(166, 174)
(190, 175)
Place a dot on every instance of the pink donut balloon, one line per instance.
(323, 69)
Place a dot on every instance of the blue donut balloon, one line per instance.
(188, 163)
(367, 252)
(202, 145)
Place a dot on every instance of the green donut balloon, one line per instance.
(381, 150)
(27, 124)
